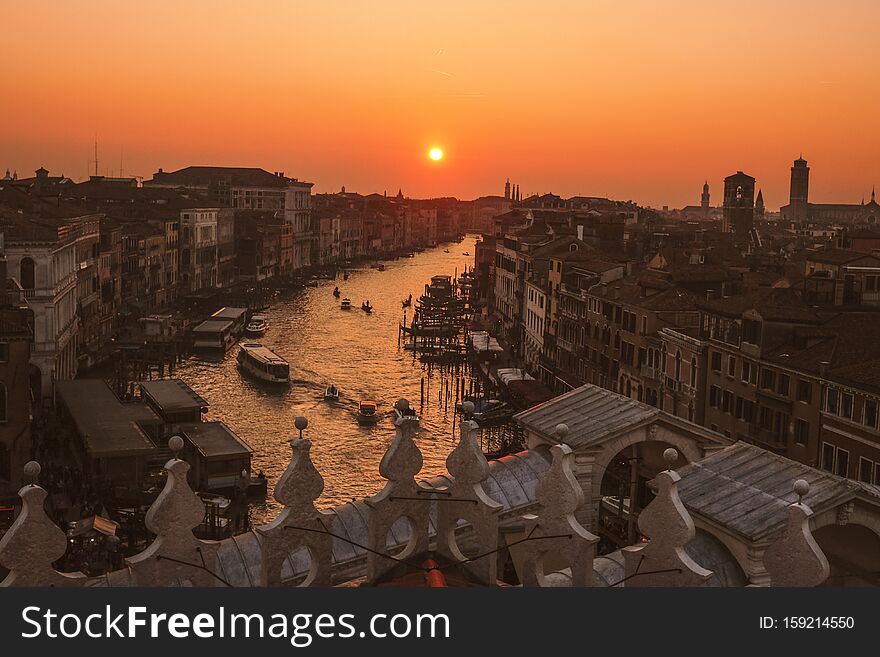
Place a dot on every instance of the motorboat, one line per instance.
(465, 253)
(407, 302)
(331, 393)
(367, 412)
(257, 326)
(336, 292)
(263, 363)
(445, 250)
(366, 307)
(410, 255)
(345, 305)
(381, 267)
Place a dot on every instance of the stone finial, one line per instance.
(662, 561)
(34, 542)
(301, 423)
(469, 502)
(795, 559)
(32, 471)
(401, 497)
(467, 408)
(175, 555)
(555, 532)
(561, 432)
(300, 524)
(670, 455)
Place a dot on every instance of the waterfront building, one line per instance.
(298, 215)
(198, 248)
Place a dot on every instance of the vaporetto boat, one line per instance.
(263, 363)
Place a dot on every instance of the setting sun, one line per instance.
(435, 154)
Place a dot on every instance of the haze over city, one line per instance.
(640, 101)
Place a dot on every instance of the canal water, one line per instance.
(356, 351)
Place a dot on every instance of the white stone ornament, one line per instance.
(554, 531)
(662, 561)
(300, 524)
(795, 559)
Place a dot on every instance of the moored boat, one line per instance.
(331, 393)
(367, 412)
(345, 305)
(366, 307)
(257, 326)
(336, 292)
(263, 363)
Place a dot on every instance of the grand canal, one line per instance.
(357, 352)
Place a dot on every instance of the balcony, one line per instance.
(650, 373)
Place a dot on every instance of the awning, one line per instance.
(95, 523)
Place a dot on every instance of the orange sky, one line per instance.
(637, 100)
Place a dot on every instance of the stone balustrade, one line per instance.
(437, 517)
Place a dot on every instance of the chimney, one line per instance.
(709, 294)
(823, 368)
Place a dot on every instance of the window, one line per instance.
(768, 379)
(4, 352)
(828, 451)
(866, 470)
(846, 405)
(714, 396)
(782, 384)
(731, 366)
(841, 463)
(644, 324)
(727, 402)
(804, 391)
(870, 286)
(766, 418)
(746, 371)
(27, 278)
(870, 414)
(716, 361)
(3, 403)
(748, 410)
(801, 431)
(831, 399)
(693, 378)
(678, 365)
(751, 331)
(739, 408)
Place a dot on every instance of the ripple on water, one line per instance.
(357, 352)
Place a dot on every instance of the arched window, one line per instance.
(678, 365)
(629, 391)
(3, 403)
(694, 372)
(26, 277)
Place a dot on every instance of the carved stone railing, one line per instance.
(553, 539)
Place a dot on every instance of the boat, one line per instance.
(410, 255)
(213, 334)
(345, 275)
(465, 253)
(367, 412)
(257, 326)
(445, 250)
(331, 393)
(408, 412)
(336, 292)
(263, 363)
(345, 305)
(366, 307)
(407, 302)
(381, 267)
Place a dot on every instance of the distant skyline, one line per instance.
(643, 101)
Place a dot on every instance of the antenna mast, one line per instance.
(96, 156)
